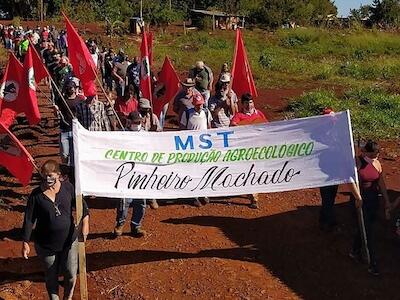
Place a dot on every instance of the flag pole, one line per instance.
(360, 213)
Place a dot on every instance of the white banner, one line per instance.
(274, 157)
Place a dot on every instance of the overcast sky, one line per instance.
(344, 6)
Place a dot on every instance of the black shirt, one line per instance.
(51, 232)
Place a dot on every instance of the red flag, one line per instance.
(14, 156)
(81, 60)
(145, 77)
(10, 89)
(7, 117)
(170, 80)
(38, 65)
(18, 89)
(150, 39)
(242, 79)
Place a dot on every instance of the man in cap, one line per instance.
(184, 99)
(134, 123)
(223, 105)
(198, 117)
(150, 122)
(203, 77)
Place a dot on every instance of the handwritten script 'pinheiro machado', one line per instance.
(279, 156)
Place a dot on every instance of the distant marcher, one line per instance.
(119, 73)
(203, 77)
(133, 73)
(55, 235)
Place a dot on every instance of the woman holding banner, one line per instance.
(371, 185)
(50, 208)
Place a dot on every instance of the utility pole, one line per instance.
(41, 11)
(141, 10)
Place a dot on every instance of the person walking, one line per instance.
(55, 235)
(371, 185)
(139, 205)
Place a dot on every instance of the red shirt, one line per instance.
(126, 107)
(241, 118)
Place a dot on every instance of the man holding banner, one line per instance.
(249, 115)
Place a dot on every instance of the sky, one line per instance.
(344, 6)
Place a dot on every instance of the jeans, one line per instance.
(139, 208)
(328, 195)
(63, 263)
(67, 148)
(370, 210)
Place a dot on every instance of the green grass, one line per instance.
(374, 112)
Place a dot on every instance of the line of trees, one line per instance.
(383, 13)
(264, 13)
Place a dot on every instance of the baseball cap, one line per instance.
(198, 99)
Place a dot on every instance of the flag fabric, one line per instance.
(242, 79)
(17, 91)
(38, 66)
(150, 41)
(81, 59)
(7, 117)
(14, 157)
(169, 81)
(9, 89)
(145, 77)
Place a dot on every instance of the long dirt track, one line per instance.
(224, 250)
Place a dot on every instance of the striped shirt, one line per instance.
(94, 116)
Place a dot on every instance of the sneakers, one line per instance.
(138, 232)
(200, 201)
(254, 201)
(153, 204)
(373, 270)
(118, 230)
(197, 202)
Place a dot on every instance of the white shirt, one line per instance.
(196, 120)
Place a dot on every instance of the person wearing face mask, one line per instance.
(249, 115)
(134, 123)
(372, 183)
(223, 105)
(55, 235)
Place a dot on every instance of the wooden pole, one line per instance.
(109, 102)
(360, 213)
(81, 250)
